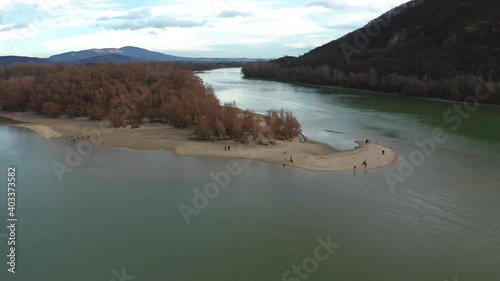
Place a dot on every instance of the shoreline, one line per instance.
(371, 91)
(312, 156)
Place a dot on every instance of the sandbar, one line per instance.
(311, 156)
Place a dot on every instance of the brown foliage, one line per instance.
(51, 109)
(283, 124)
(116, 120)
(95, 112)
(126, 94)
(203, 128)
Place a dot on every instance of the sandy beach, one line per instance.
(311, 155)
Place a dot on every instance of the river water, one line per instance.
(119, 210)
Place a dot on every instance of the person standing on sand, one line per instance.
(228, 147)
(225, 148)
(383, 152)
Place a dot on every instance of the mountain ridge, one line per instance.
(115, 55)
(128, 51)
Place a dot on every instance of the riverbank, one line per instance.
(311, 155)
(391, 94)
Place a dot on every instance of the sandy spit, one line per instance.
(310, 156)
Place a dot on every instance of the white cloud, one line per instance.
(296, 45)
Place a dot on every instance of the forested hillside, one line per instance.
(429, 48)
(128, 94)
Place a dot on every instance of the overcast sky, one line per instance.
(212, 28)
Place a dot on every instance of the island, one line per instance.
(156, 106)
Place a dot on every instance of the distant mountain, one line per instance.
(121, 55)
(132, 52)
(115, 58)
(8, 60)
(147, 55)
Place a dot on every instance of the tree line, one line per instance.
(457, 88)
(133, 93)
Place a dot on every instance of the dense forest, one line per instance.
(429, 48)
(132, 93)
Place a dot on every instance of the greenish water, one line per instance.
(119, 208)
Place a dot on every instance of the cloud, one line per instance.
(233, 14)
(354, 6)
(328, 5)
(14, 27)
(346, 27)
(140, 14)
(296, 45)
(158, 23)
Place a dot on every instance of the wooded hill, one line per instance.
(429, 48)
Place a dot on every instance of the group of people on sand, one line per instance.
(303, 140)
(84, 137)
(365, 164)
(367, 141)
(227, 148)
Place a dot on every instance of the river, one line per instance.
(118, 212)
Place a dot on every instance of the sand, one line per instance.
(45, 131)
(311, 155)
